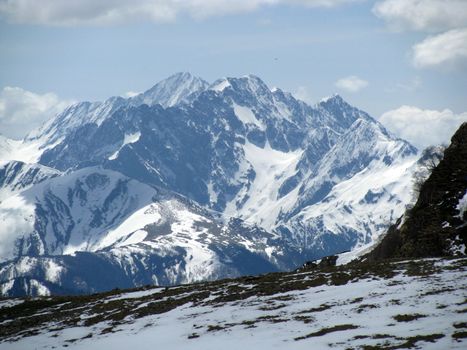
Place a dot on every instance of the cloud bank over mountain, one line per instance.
(423, 127)
(108, 12)
(22, 110)
(351, 84)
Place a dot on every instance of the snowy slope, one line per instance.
(71, 212)
(16, 176)
(259, 203)
(362, 206)
(360, 185)
(6, 146)
(21, 150)
(412, 304)
(147, 235)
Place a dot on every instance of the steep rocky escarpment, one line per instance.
(437, 223)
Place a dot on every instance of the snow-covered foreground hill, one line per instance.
(390, 305)
(93, 229)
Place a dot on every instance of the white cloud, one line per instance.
(105, 12)
(130, 94)
(85, 12)
(15, 222)
(422, 15)
(22, 110)
(447, 16)
(319, 3)
(441, 49)
(423, 127)
(304, 94)
(351, 84)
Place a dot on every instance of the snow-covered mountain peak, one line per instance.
(171, 91)
(246, 85)
(333, 102)
(334, 97)
(75, 116)
(251, 83)
(220, 85)
(339, 110)
(281, 94)
(368, 134)
(271, 106)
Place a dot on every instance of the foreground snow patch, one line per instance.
(411, 304)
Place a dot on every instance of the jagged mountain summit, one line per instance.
(177, 89)
(302, 181)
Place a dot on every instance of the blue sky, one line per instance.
(364, 50)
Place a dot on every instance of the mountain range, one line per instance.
(193, 181)
(407, 292)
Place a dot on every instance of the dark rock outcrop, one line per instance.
(437, 223)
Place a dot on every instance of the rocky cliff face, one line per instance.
(437, 223)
